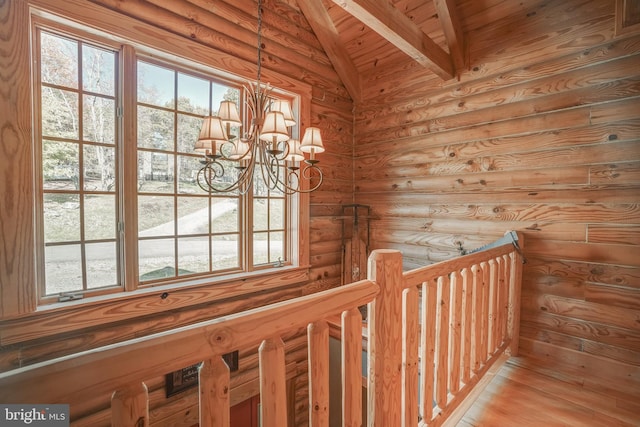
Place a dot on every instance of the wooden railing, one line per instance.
(435, 332)
(122, 368)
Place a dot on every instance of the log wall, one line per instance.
(541, 134)
(222, 31)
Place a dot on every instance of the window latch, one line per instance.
(69, 297)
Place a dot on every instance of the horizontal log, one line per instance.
(541, 266)
(615, 316)
(616, 173)
(487, 231)
(507, 211)
(615, 296)
(624, 255)
(465, 145)
(596, 332)
(615, 234)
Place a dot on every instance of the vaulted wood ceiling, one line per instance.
(355, 33)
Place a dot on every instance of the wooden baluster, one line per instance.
(352, 368)
(456, 324)
(497, 303)
(428, 336)
(318, 339)
(467, 324)
(130, 406)
(213, 380)
(493, 288)
(504, 297)
(385, 340)
(442, 383)
(485, 313)
(410, 336)
(273, 388)
(477, 317)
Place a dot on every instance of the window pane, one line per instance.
(224, 215)
(59, 60)
(192, 215)
(260, 214)
(193, 94)
(61, 217)
(102, 262)
(99, 119)
(60, 165)
(260, 189)
(193, 255)
(188, 131)
(276, 246)
(225, 252)
(99, 168)
(155, 172)
(188, 174)
(98, 70)
(63, 269)
(59, 113)
(99, 217)
(155, 216)
(156, 259)
(260, 248)
(155, 128)
(155, 85)
(276, 214)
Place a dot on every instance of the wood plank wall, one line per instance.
(541, 134)
(292, 50)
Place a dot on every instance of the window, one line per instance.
(78, 87)
(184, 233)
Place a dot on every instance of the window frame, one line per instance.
(296, 221)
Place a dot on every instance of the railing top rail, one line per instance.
(424, 274)
(67, 378)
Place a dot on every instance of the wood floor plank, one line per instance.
(528, 395)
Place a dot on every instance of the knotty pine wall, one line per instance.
(541, 133)
(291, 50)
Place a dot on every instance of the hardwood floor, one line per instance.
(525, 392)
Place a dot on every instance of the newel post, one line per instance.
(130, 406)
(515, 296)
(385, 340)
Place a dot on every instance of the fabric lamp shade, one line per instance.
(285, 108)
(295, 155)
(212, 135)
(241, 150)
(274, 128)
(228, 113)
(312, 141)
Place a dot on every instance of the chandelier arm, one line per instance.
(306, 174)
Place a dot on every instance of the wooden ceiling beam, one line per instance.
(327, 34)
(448, 17)
(383, 18)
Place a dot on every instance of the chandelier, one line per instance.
(231, 162)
